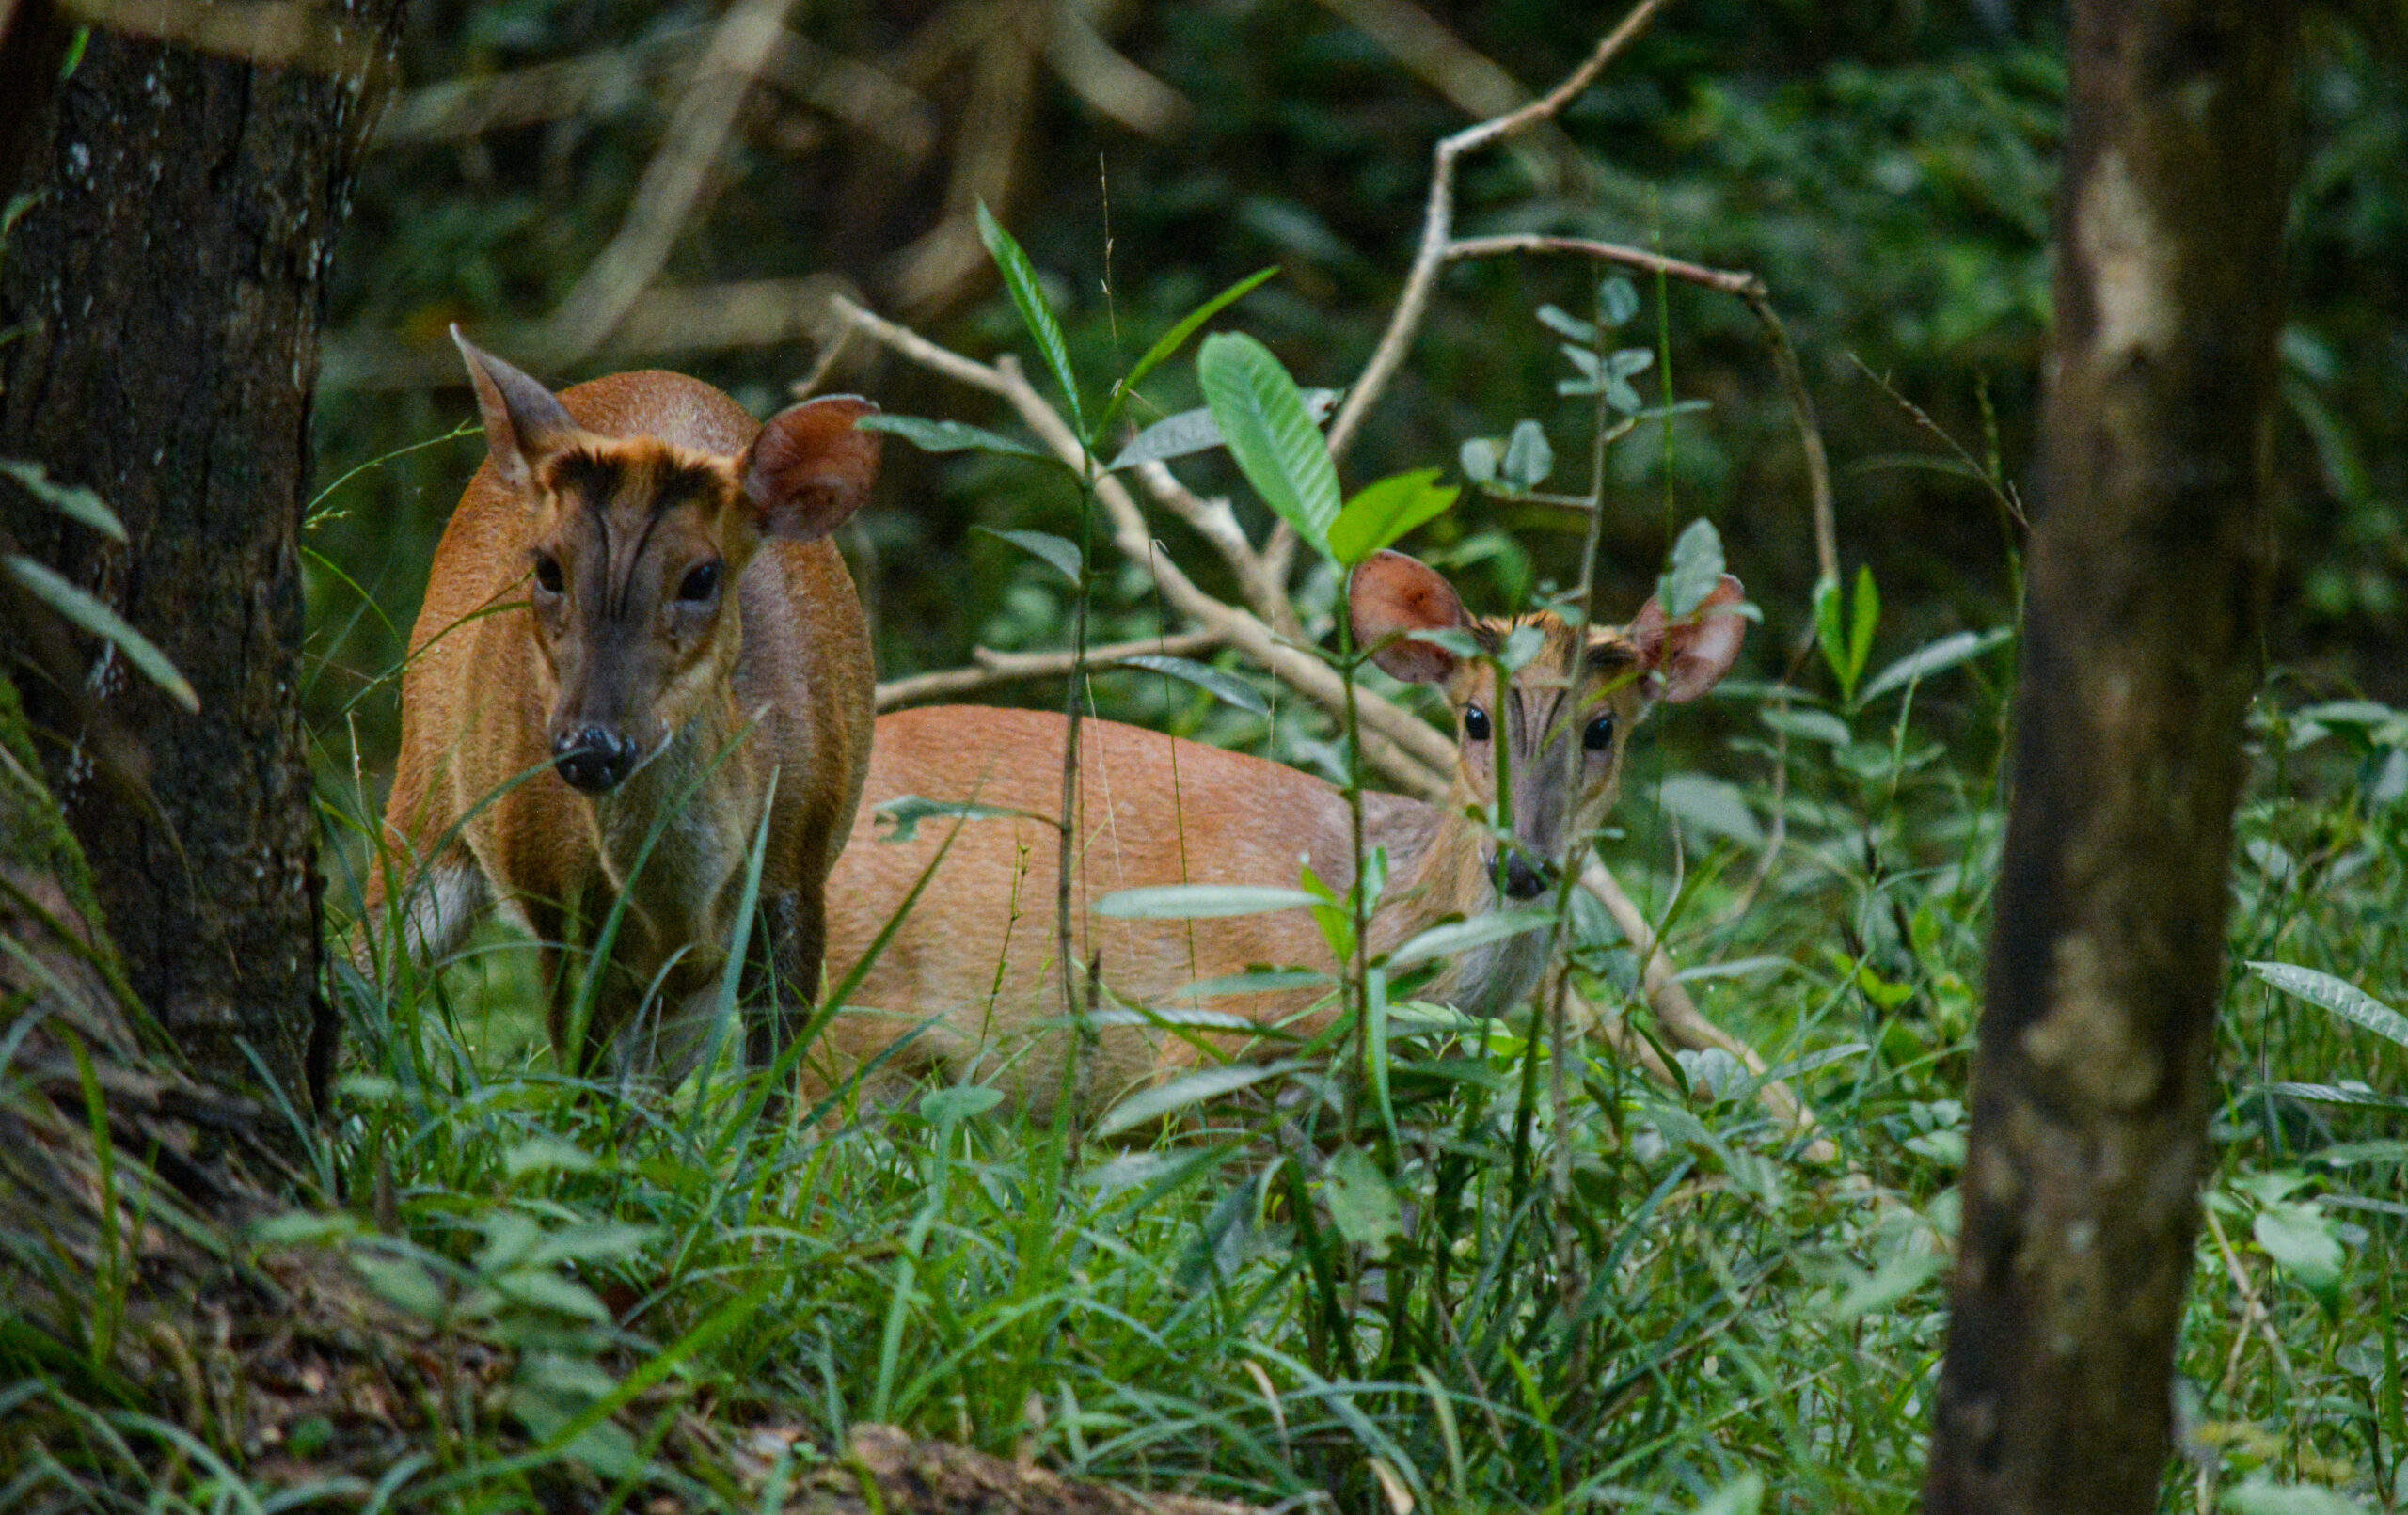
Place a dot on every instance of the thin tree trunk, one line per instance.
(2094, 1082)
(169, 282)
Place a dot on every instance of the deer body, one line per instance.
(635, 625)
(970, 975)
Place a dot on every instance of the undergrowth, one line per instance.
(678, 1299)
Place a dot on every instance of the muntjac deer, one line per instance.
(635, 633)
(971, 969)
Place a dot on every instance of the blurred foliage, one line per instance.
(1886, 166)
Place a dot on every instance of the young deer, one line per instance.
(635, 630)
(976, 958)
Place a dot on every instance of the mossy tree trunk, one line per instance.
(2093, 1084)
(167, 287)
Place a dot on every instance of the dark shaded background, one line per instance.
(1887, 167)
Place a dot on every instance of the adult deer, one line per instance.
(636, 640)
(969, 973)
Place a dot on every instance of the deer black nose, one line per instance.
(593, 759)
(1523, 880)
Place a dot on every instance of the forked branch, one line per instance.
(1401, 746)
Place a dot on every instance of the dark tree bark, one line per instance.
(2094, 1082)
(171, 281)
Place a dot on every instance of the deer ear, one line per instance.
(1394, 595)
(523, 421)
(811, 467)
(1690, 656)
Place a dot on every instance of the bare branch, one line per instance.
(1012, 668)
(274, 34)
(1439, 219)
(1105, 79)
(1212, 520)
(674, 183)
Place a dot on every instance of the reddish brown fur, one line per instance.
(790, 644)
(975, 960)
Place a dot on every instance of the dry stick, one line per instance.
(1746, 287)
(1212, 520)
(673, 182)
(1439, 219)
(1403, 748)
(1010, 667)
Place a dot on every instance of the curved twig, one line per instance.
(1011, 668)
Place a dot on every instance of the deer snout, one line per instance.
(593, 758)
(1525, 879)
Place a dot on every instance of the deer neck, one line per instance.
(1449, 877)
(704, 801)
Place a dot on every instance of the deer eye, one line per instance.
(1475, 723)
(1599, 733)
(701, 583)
(548, 573)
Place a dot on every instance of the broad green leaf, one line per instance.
(1169, 342)
(1864, 618)
(1060, 553)
(1214, 1020)
(1151, 1104)
(546, 1153)
(1814, 725)
(1020, 278)
(904, 813)
(2303, 1241)
(1749, 967)
(1362, 1203)
(1564, 323)
(1480, 458)
(543, 1290)
(591, 1242)
(1893, 1281)
(952, 436)
(1742, 1495)
(962, 1102)
(1529, 457)
(105, 623)
(1195, 431)
(1630, 362)
(402, 1282)
(1714, 806)
(1697, 569)
(2333, 1093)
(1619, 298)
(1459, 936)
(302, 1229)
(2339, 996)
(1264, 981)
(73, 501)
(2348, 1154)
(1270, 433)
(1201, 902)
(1934, 657)
(1829, 607)
(1381, 514)
(1222, 685)
(2258, 1494)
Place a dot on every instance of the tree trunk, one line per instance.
(170, 282)
(2094, 1082)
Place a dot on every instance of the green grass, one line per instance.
(1698, 1311)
